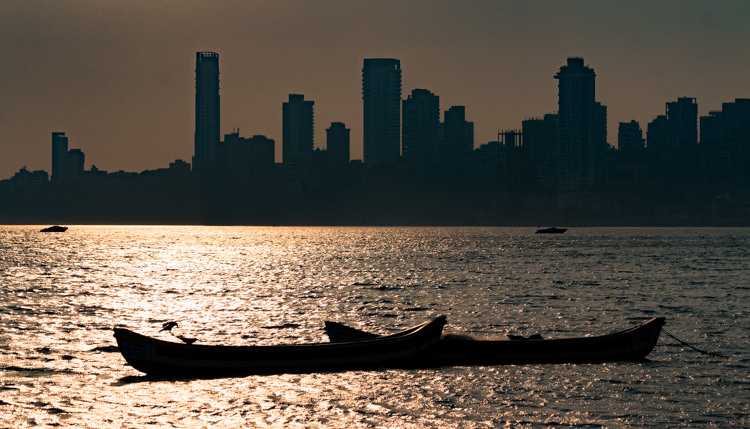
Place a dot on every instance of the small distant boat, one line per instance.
(55, 228)
(164, 358)
(631, 344)
(551, 230)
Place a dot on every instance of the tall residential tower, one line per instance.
(421, 124)
(381, 99)
(337, 143)
(59, 155)
(207, 110)
(298, 124)
(582, 126)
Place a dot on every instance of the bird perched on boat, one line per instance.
(168, 326)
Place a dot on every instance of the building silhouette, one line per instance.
(457, 133)
(67, 164)
(337, 143)
(556, 169)
(75, 163)
(59, 156)
(672, 142)
(677, 130)
(657, 135)
(242, 156)
(582, 126)
(725, 143)
(599, 133)
(298, 130)
(541, 144)
(630, 138)
(421, 125)
(381, 105)
(682, 116)
(207, 110)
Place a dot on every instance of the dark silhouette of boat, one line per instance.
(551, 230)
(164, 358)
(55, 228)
(631, 344)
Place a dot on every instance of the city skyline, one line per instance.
(676, 129)
(144, 106)
(557, 167)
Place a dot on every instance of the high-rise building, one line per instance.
(241, 156)
(540, 141)
(457, 133)
(381, 102)
(59, 155)
(580, 125)
(597, 150)
(657, 135)
(630, 137)
(711, 129)
(298, 130)
(75, 163)
(725, 142)
(672, 141)
(421, 124)
(207, 110)
(682, 116)
(736, 137)
(337, 143)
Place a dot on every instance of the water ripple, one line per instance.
(61, 295)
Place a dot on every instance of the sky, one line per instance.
(118, 76)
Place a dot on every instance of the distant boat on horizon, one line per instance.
(551, 230)
(54, 228)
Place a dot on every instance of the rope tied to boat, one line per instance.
(683, 342)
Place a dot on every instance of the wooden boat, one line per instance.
(164, 358)
(55, 228)
(631, 344)
(551, 230)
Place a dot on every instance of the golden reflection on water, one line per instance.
(62, 293)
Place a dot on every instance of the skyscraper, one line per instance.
(298, 125)
(682, 116)
(381, 99)
(458, 133)
(580, 119)
(337, 143)
(725, 142)
(207, 110)
(59, 155)
(540, 141)
(421, 117)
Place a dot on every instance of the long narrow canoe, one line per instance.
(631, 344)
(164, 358)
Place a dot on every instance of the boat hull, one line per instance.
(164, 358)
(55, 228)
(552, 230)
(632, 344)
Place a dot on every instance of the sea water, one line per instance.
(61, 294)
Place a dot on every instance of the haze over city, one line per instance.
(118, 78)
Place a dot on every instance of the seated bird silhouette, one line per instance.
(168, 326)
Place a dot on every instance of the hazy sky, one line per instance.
(118, 76)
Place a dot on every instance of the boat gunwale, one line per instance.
(647, 324)
(399, 337)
